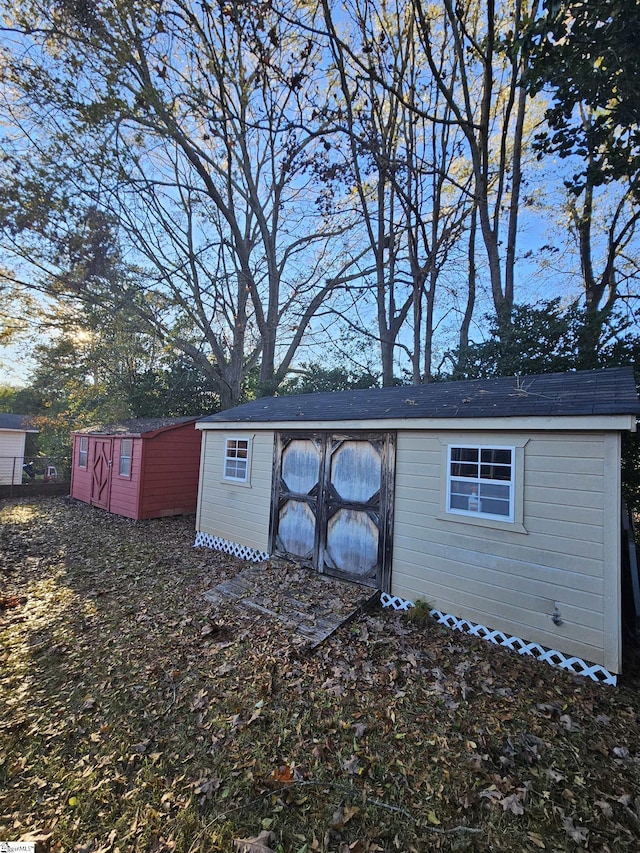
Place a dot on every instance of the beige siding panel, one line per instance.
(573, 482)
(565, 464)
(238, 513)
(474, 602)
(562, 497)
(547, 447)
(513, 592)
(11, 456)
(504, 579)
(613, 547)
(561, 512)
(583, 558)
(546, 634)
(586, 533)
(531, 578)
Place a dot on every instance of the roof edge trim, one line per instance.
(584, 423)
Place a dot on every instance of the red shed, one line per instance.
(143, 468)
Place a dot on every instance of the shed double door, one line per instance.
(333, 503)
(101, 472)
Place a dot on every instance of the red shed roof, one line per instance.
(136, 427)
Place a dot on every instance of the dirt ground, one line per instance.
(138, 716)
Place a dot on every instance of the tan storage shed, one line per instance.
(496, 501)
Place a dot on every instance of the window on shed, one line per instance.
(480, 481)
(83, 451)
(126, 446)
(236, 459)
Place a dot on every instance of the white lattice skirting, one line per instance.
(572, 664)
(205, 540)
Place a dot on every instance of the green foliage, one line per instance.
(180, 152)
(313, 376)
(175, 388)
(547, 339)
(14, 400)
(101, 369)
(626, 350)
(420, 614)
(541, 339)
(585, 53)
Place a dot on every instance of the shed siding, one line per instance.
(505, 579)
(164, 473)
(236, 512)
(11, 456)
(81, 477)
(171, 462)
(124, 490)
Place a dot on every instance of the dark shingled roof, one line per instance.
(588, 392)
(18, 422)
(135, 426)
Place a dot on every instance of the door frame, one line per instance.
(98, 450)
(326, 438)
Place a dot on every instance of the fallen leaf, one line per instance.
(512, 804)
(283, 774)
(352, 765)
(37, 837)
(259, 844)
(621, 752)
(605, 808)
(343, 815)
(579, 834)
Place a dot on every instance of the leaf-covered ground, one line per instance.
(134, 715)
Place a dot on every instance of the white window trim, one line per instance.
(238, 481)
(83, 451)
(480, 480)
(516, 445)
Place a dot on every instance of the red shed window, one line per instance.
(83, 451)
(125, 457)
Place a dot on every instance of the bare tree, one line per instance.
(483, 87)
(606, 242)
(404, 175)
(193, 127)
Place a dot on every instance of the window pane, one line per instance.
(464, 470)
(462, 487)
(493, 454)
(493, 490)
(463, 495)
(495, 472)
(495, 507)
(464, 454)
